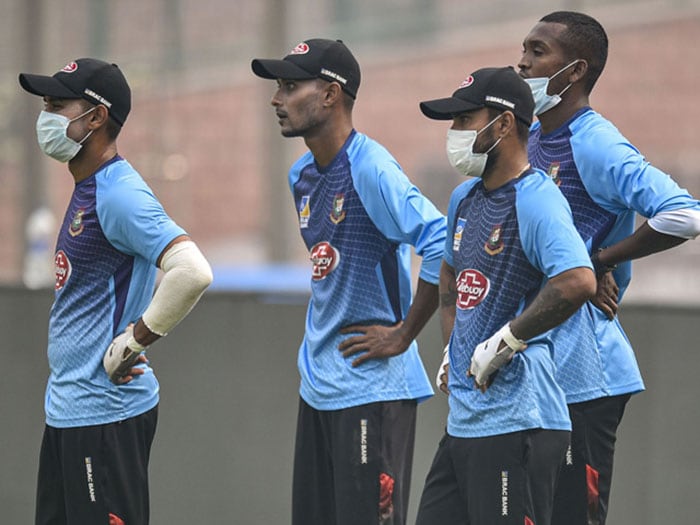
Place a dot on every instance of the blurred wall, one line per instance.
(223, 449)
(204, 136)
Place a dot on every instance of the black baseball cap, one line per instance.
(315, 58)
(94, 80)
(496, 87)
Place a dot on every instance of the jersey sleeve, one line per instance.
(617, 175)
(547, 232)
(400, 211)
(295, 170)
(133, 220)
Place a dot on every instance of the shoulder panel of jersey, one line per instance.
(553, 154)
(131, 216)
(548, 235)
(617, 175)
(397, 207)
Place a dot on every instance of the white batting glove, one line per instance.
(442, 370)
(122, 354)
(492, 354)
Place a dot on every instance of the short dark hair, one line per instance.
(585, 38)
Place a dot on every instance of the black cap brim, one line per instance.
(273, 69)
(447, 108)
(45, 86)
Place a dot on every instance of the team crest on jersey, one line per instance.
(63, 269)
(304, 212)
(494, 245)
(553, 173)
(472, 288)
(337, 212)
(459, 229)
(325, 259)
(76, 225)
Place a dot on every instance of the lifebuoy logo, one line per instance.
(325, 259)
(472, 288)
(63, 269)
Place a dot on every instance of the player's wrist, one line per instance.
(134, 345)
(511, 340)
(599, 267)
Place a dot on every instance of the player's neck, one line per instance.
(507, 168)
(326, 143)
(88, 162)
(561, 113)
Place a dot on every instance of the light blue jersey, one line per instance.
(112, 235)
(358, 217)
(605, 180)
(503, 245)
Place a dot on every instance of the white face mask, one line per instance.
(52, 135)
(539, 87)
(460, 153)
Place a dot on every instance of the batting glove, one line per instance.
(492, 354)
(122, 354)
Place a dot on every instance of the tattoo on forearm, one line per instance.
(448, 298)
(548, 310)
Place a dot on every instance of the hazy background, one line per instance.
(203, 135)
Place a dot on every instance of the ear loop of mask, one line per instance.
(486, 127)
(561, 70)
(78, 118)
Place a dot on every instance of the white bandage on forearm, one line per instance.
(187, 275)
(683, 223)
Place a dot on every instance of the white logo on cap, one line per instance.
(466, 82)
(301, 49)
(336, 76)
(91, 93)
(499, 100)
(70, 67)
